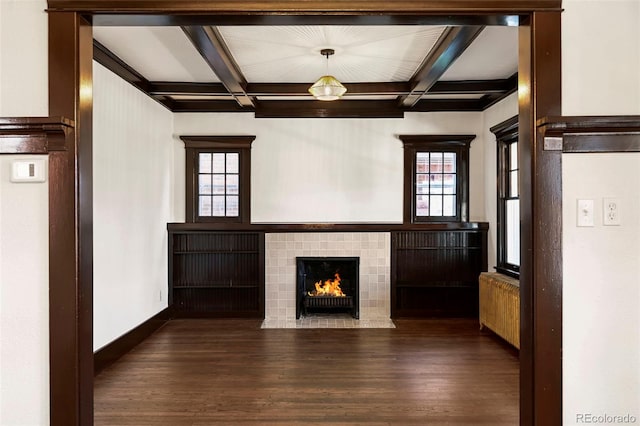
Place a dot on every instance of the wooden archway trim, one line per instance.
(70, 194)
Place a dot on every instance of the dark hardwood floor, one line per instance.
(230, 372)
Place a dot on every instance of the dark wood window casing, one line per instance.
(416, 146)
(225, 145)
(507, 193)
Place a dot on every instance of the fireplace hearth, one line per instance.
(327, 285)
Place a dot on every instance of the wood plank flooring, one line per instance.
(231, 372)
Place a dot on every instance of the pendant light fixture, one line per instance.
(327, 88)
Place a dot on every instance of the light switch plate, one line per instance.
(28, 170)
(585, 213)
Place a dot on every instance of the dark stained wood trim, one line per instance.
(589, 124)
(617, 142)
(326, 227)
(34, 135)
(499, 86)
(209, 43)
(113, 63)
(185, 88)
(451, 44)
(110, 353)
(202, 143)
(454, 143)
(213, 142)
(539, 72)
(536, 16)
(284, 7)
(297, 89)
(202, 105)
(70, 224)
(584, 134)
(319, 109)
(435, 105)
(475, 86)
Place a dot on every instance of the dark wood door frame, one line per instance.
(70, 177)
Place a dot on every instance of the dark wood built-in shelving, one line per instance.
(435, 273)
(216, 273)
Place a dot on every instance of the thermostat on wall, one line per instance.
(32, 170)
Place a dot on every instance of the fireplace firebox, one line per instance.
(327, 285)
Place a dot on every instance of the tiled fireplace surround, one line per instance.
(281, 250)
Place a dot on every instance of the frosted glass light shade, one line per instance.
(327, 88)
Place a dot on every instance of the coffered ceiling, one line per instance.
(387, 69)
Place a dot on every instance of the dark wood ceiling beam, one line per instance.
(320, 109)
(110, 19)
(113, 63)
(359, 89)
(435, 105)
(450, 45)
(474, 86)
(184, 88)
(206, 105)
(297, 89)
(208, 41)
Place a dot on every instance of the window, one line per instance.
(508, 197)
(218, 178)
(436, 172)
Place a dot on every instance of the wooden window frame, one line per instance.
(458, 144)
(195, 145)
(506, 133)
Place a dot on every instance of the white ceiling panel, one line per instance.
(310, 98)
(492, 55)
(158, 53)
(456, 96)
(291, 54)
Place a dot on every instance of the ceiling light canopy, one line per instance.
(327, 88)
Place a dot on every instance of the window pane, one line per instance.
(513, 232)
(449, 184)
(218, 163)
(217, 207)
(232, 206)
(204, 206)
(218, 184)
(422, 162)
(422, 184)
(513, 153)
(232, 163)
(422, 205)
(204, 162)
(436, 205)
(449, 205)
(449, 162)
(204, 184)
(232, 184)
(436, 184)
(513, 183)
(435, 165)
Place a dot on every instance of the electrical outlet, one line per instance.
(611, 211)
(585, 213)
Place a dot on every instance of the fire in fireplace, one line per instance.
(327, 285)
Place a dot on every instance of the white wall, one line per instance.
(601, 303)
(334, 170)
(24, 246)
(133, 201)
(498, 113)
(601, 323)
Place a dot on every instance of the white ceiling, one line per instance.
(290, 54)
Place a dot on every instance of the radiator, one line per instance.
(500, 306)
